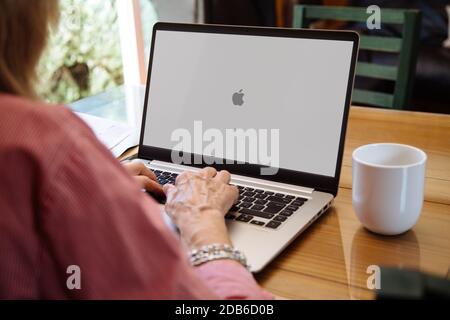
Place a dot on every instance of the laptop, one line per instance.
(269, 105)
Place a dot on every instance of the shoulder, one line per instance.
(24, 121)
(19, 113)
(38, 131)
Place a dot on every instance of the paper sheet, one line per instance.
(116, 136)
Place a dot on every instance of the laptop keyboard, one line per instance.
(264, 208)
(255, 206)
(165, 177)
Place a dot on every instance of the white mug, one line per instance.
(388, 186)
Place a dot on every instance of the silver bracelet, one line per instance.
(214, 252)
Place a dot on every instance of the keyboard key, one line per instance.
(229, 216)
(289, 197)
(259, 201)
(259, 191)
(297, 203)
(240, 187)
(273, 209)
(273, 224)
(244, 218)
(248, 194)
(258, 223)
(292, 208)
(280, 218)
(257, 207)
(275, 204)
(257, 213)
(249, 199)
(260, 196)
(249, 189)
(270, 193)
(278, 199)
(301, 199)
(157, 172)
(286, 213)
(245, 205)
(234, 208)
(273, 198)
(280, 195)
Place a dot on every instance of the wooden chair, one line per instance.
(402, 74)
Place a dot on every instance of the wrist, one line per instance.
(200, 240)
(205, 227)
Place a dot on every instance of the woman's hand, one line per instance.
(144, 177)
(197, 205)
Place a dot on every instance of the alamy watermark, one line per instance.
(73, 281)
(374, 280)
(228, 146)
(374, 20)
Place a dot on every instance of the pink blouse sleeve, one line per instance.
(229, 280)
(94, 216)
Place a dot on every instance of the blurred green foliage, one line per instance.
(83, 56)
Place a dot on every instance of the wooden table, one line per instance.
(329, 260)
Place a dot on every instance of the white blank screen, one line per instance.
(298, 86)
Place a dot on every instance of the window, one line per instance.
(83, 57)
(102, 44)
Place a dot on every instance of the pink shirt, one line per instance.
(65, 200)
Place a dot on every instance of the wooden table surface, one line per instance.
(329, 260)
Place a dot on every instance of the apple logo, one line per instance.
(238, 98)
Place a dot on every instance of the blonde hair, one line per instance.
(24, 28)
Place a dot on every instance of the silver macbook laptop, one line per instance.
(268, 105)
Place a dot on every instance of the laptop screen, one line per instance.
(286, 95)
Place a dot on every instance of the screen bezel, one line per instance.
(318, 182)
